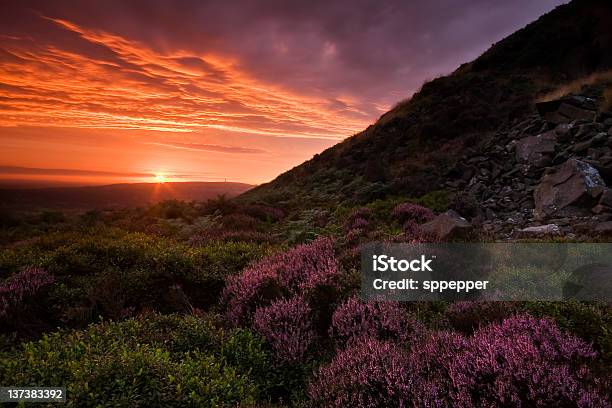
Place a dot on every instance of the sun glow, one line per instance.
(160, 178)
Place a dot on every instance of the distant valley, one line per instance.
(116, 195)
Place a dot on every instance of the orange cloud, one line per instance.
(114, 83)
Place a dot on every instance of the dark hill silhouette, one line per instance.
(116, 195)
(410, 148)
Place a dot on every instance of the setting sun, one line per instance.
(160, 178)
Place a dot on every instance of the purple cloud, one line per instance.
(376, 52)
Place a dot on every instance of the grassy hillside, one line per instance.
(231, 302)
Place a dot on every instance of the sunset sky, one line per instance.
(121, 91)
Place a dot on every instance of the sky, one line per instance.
(98, 92)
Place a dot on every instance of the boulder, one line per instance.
(564, 131)
(606, 198)
(582, 146)
(572, 189)
(605, 172)
(600, 209)
(540, 231)
(567, 109)
(448, 225)
(599, 138)
(604, 228)
(537, 150)
(574, 113)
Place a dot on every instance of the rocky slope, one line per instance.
(549, 174)
(412, 149)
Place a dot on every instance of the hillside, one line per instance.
(116, 195)
(172, 295)
(412, 148)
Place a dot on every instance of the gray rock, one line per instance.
(605, 171)
(604, 228)
(605, 160)
(594, 153)
(599, 138)
(536, 150)
(565, 110)
(582, 146)
(606, 198)
(561, 157)
(583, 102)
(587, 131)
(562, 222)
(574, 113)
(564, 131)
(600, 209)
(572, 189)
(448, 225)
(540, 231)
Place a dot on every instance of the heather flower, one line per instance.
(350, 258)
(239, 222)
(22, 286)
(212, 235)
(380, 320)
(359, 223)
(370, 373)
(525, 361)
(411, 228)
(287, 326)
(521, 361)
(352, 236)
(257, 285)
(299, 271)
(429, 364)
(467, 316)
(264, 212)
(358, 219)
(319, 267)
(361, 212)
(413, 233)
(412, 212)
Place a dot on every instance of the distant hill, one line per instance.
(410, 149)
(115, 195)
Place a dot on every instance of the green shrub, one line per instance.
(91, 218)
(107, 272)
(381, 209)
(51, 217)
(590, 321)
(437, 200)
(150, 361)
(8, 219)
(371, 192)
(304, 228)
(172, 209)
